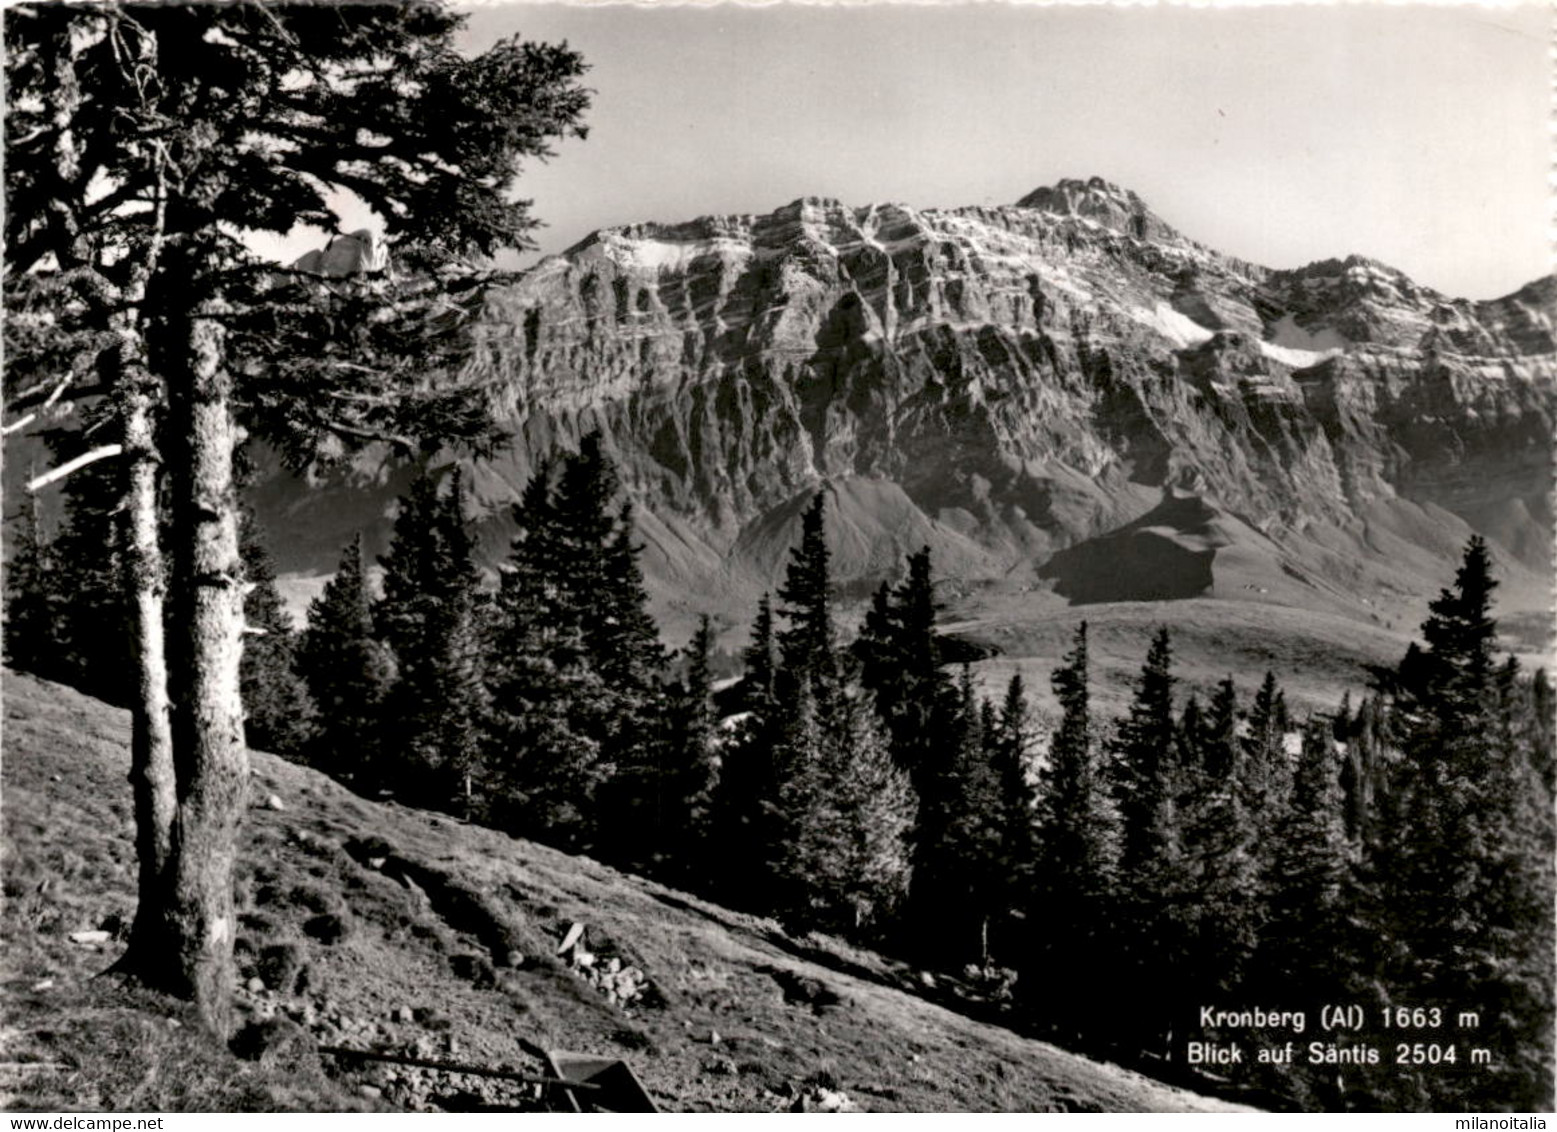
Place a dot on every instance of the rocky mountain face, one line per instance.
(1004, 384)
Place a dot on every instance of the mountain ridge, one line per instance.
(1002, 384)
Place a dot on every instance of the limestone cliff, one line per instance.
(1004, 383)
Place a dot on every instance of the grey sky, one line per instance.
(1279, 134)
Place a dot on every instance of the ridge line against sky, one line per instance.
(1414, 134)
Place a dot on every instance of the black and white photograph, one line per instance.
(777, 558)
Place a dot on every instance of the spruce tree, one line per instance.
(903, 667)
(688, 782)
(1011, 741)
(427, 617)
(759, 684)
(278, 711)
(88, 561)
(1079, 862)
(975, 836)
(748, 776)
(32, 603)
(840, 817)
(348, 673)
(152, 143)
(1266, 768)
(1221, 850)
(547, 701)
(1155, 885)
(806, 646)
(1143, 749)
(1462, 851)
(1313, 954)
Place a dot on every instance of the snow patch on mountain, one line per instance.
(1173, 325)
(1300, 347)
(675, 255)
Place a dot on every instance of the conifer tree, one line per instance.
(759, 685)
(842, 814)
(1312, 953)
(427, 617)
(1266, 769)
(975, 836)
(147, 144)
(903, 667)
(1463, 851)
(1221, 849)
(935, 738)
(1431, 858)
(1011, 742)
(1311, 879)
(86, 580)
(348, 673)
(32, 605)
(1143, 750)
(1078, 872)
(278, 711)
(689, 780)
(747, 775)
(1155, 896)
(806, 646)
(547, 700)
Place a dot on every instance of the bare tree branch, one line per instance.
(78, 463)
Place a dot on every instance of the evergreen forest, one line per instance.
(1099, 881)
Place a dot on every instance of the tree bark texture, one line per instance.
(151, 743)
(210, 760)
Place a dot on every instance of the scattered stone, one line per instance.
(719, 1067)
(582, 958)
(372, 1092)
(256, 985)
(575, 932)
(376, 862)
(405, 1015)
(89, 938)
(514, 959)
(818, 1099)
(714, 1038)
(418, 893)
(272, 802)
(927, 980)
(43, 984)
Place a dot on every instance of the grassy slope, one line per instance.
(787, 1011)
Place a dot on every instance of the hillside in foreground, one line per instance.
(381, 927)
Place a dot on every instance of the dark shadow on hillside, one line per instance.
(1165, 555)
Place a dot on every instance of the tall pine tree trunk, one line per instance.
(153, 783)
(151, 745)
(210, 758)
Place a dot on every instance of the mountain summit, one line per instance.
(1117, 209)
